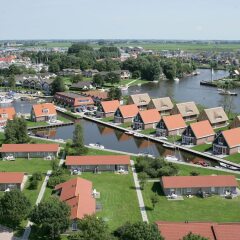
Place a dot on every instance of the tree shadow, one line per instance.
(157, 188)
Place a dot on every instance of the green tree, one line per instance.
(98, 80)
(169, 70)
(192, 236)
(115, 93)
(138, 231)
(142, 176)
(54, 66)
(14, 207)
(91, 228)
(51, 217)
(58, 85)
(154, 199)
(78, 140)
(77, 78)
(112, 78)
(11, 81)
(16, 131)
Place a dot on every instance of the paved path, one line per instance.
(131, 82)
(139, 194)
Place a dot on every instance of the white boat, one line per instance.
(139, 84)
(40, 100)
(124, 88)
(162, 138)
(96, 145)
(5, 100)
(176, 79)
(129, 133)
(228, 166)
(138, 135)
(168, 145)
(155, 81)
(224, 92)
(171, 158)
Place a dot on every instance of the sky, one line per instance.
(120, 19)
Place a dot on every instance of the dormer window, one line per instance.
(4, 115)
(45, 110)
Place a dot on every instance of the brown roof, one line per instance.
(44, 109)
(97, 160)
(187, 109)
(41, 147)
(150, 116)
(7, 113)
(11, 177)
(199, 181)
(173, 122)
(177, 230)
(77, 193)
(216, 115)
(97, 94)
(110, 106)
(141, 99)
(227, 231)
(162, 104)
(202, 129)
(128, 111)
(232, 137)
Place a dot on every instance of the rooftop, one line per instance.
(202, 129)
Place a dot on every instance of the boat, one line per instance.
(138, 135)
(124, 88)
(168, 145)
(5, 100)
(40, 100)
(96, 145)
(224, 165)
(224, 92)
(139, 84)
(155, 81)
(162, 138)
(176, 79)
(129, 133)
(171, 158)
(207, 83)
(202, 163)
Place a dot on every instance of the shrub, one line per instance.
(37, 176)
(33, 184)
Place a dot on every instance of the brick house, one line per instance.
(125, 113)
(188, 110)
(146, 119)
(170, 126)
(198, 133)
(216, 116)
(97, 95)
(99, 163)
(11, 180)
(6, 114)
(107, 108)
(43, 112)
(185, 185)
(227, 142)
(163, 105)
(141, 100)
(30, 150)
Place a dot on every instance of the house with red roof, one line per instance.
(49, 151)
(6, 114)
(78, 194)
(146, 119)
(185, 185)
(43, 112)
(98, 163)
(209, 230)
(170, 126)
(107, 108)
(198, 133)
(227, 142)
(11, 180)
(125, 113)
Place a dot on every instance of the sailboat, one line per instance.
(172, 157)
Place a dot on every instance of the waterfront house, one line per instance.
(97, 95)
(146, 119)
(77, 193)
(227, 142)
(236, 122)
(188, 110)
(98, 163)
(208, 230)
(125, 113)
(83, 85)
(6, 114)
(123, 74)
(90, 73)
(198, 133)
(216, 116)
(192, 185)
(43, 112)
(141, 100)
(11, 180)
(163, 105)
(30, 150)
(170, 126)
(75, 101)
(107, 108)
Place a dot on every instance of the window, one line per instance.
(108, 166)
(45, 110)
(87, 167)
(189, 190)
(212, 189)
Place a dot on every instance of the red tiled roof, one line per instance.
(129, 110)
(110, 106)
(39, 109)
(173, 122)
(83, 101)
(150, 116)
(202, 129)
(176, 231)
(232, 137)
(11, 177)
(227, 231)
(199, 181)
(77, 193)
(97, 160)
(29, 148)
(97, 94)
(10, 111)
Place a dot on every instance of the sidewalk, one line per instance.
(139, 193)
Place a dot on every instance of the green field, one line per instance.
(234, 158)
(202, 147)
(214, 208)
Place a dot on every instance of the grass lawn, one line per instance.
(175, 138)
(126, 125)
(234, 158)
(221, 129)
(148, 131)
(25, 165)
(107, 119)
(214, 208)
(202, 147)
